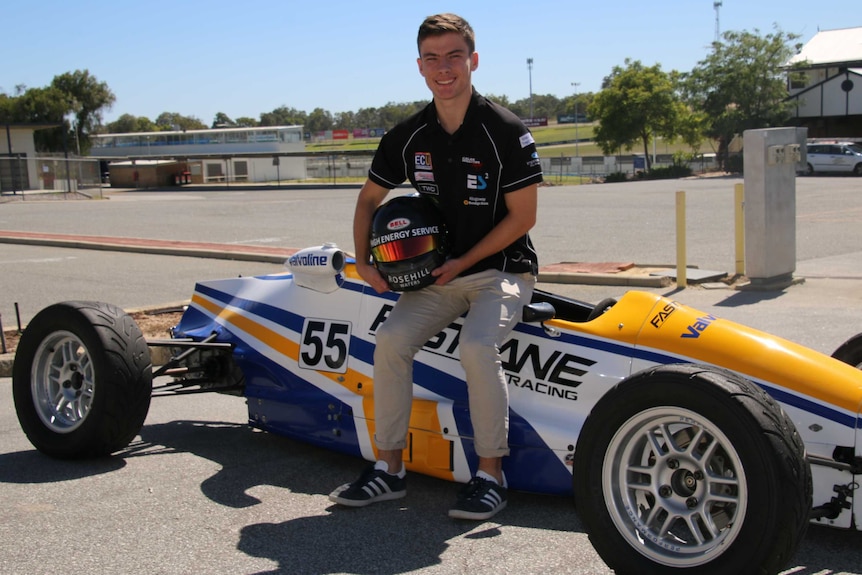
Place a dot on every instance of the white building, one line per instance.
(827, 85)
(18, 169)
(221, 154)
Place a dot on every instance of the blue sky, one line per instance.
(200, 57)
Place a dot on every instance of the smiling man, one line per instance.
(477, 162)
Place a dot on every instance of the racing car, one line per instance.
(689, 443)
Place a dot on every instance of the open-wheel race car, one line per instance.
(690, 443)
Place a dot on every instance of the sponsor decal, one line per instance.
(401, 234)
(397, 224)
(473, 162)
(424, 176)
(422, 161)
(658, 319)
(476, 182)
(527, 366)
(308, 260)
(526, 140)
(556, 374)
(409, 280)
(534, 160)
(476, 201)
(698, 327)
(428, 189)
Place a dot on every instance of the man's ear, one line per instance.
(474, 61)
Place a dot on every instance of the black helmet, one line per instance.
(408, 241)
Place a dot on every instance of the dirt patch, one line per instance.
(155, 325)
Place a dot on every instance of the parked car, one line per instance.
(834, 157)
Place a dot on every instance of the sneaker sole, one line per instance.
(335, 497)
(476, 515)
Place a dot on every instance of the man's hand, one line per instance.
(448, 271)
(372, 277)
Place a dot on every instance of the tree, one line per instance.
(741, 85)
(38, 106)
(245, 122)
(222, 120)
(86, 97)
(127, 123)
(637, 104)
(73, 92)
(283, 116)
(319, 120)
(168, 121)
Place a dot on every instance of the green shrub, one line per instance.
(615, 177)
(668, 173)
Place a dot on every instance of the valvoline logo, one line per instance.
(397, 224)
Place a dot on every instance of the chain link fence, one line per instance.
(46, 173)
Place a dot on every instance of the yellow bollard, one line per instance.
(739, 220)
(681, 278)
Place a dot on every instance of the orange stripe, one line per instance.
(429, 452)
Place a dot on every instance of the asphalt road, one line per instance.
(200, 492)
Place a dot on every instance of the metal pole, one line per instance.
(739, 218)
(681, 277)
(530, 69)
(577, 118)
(66, 155)
(3, 348)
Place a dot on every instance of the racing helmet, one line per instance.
(408, 240)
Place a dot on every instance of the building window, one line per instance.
(240, 170)
(214, 172)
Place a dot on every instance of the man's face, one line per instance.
(446, 64)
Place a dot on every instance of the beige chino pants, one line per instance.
(493, 300)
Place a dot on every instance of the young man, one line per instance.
(479, 163)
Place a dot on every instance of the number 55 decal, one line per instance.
(325, 345)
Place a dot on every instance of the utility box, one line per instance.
(771, 158)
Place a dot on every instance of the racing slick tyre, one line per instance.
(81, 380)
(850, 351)
(691, 469)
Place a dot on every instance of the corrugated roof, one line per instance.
(831, 47)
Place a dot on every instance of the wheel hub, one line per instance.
(683, 483)
(62, 382)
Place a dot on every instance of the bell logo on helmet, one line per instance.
(397, 224)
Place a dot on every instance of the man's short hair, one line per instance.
(443, 24)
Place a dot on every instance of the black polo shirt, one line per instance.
(467, 173)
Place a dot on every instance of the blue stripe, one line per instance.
(364, 351)
(279, 316)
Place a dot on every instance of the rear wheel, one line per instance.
(81, 380)
(857, 169)
(691, 469)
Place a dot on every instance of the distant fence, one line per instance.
(56, 173)
(48, 173)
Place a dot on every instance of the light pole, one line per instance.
(530, 68)
(577, 119)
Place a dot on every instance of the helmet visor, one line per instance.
(403, 249)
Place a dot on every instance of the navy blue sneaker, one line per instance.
(373, 485)
(478, 500)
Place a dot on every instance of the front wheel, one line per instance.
(81, 380)
(850, 352)
(691, 469)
